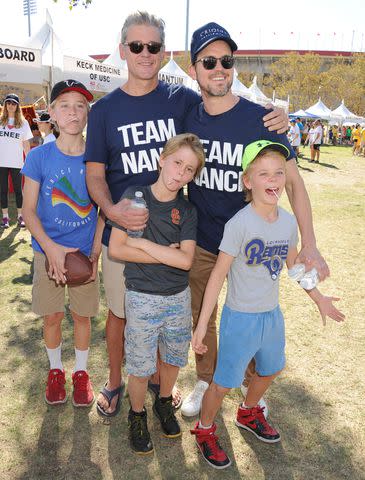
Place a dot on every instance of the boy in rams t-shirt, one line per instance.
(256, 243)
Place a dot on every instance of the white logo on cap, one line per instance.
(71, 83)
(212, 31)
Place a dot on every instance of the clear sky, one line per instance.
(267, 24)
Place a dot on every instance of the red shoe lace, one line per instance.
(81, 381)
(57, 378)
(257, 413)
(56, 382)
(211, 440)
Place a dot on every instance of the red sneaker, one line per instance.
(209, 446)
(83, 394)
(55, 389)
(253, 420)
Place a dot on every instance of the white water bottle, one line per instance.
(307, 280)
(137, 202)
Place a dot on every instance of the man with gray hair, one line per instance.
(126, 132)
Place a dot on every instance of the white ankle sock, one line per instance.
(246, 407)
(203, 427)
(81, 357)
(54, 356)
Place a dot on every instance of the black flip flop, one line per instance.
(109, 395)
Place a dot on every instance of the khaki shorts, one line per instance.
(113, 279)
(49, 298)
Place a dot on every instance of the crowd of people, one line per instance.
(155, 139)
(315, 133)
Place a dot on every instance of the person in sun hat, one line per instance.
(15, 134)
(219, 121)
(257, 241)
(62, 218)
(46, 127)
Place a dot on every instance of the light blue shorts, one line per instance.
(244, 336)
(156, 322)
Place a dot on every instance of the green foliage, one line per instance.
(299, 77)
(346, 81)
(305, 78)
(75, 3)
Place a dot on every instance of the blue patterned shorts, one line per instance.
(156, 322)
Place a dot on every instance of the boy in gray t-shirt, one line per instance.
(158, 303)
(256, 243)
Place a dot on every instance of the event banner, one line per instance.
(94, 75)
(20, 65)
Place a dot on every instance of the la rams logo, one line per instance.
(272, 256)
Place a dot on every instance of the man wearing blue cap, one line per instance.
(126, 131)
(226, 123)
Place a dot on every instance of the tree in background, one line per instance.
(182, 60)
(304, 79)
(346, 81)
(75, 3)
(299, 77)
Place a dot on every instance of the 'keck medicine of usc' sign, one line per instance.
(20, 64)
(94, 75)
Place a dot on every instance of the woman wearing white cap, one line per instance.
(14, 135)
(46, 127)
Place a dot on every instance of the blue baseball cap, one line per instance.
(207, 34)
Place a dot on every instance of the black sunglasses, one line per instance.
(137, 47)
(227, 62)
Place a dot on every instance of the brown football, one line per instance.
(79, 268)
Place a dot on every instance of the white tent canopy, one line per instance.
(115, 60)
(302, 114)
(257, 95)
(21, 72)
(172, 73)
(320, 110)
(238, 88)
(343, 114)
(298, 113)
(58, 64)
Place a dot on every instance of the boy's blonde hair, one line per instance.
(53, 104)
(186, 140)
(246, 191)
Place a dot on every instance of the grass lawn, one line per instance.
(317, 403)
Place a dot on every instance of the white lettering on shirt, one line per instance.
(220, 180)
(137, 162)
(143, 133)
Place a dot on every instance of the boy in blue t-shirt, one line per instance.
(158, 303)
(61, 218)
(256, 243)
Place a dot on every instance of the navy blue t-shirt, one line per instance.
(127, 134)
(217, 192)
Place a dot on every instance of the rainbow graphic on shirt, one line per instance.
(63, 192)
